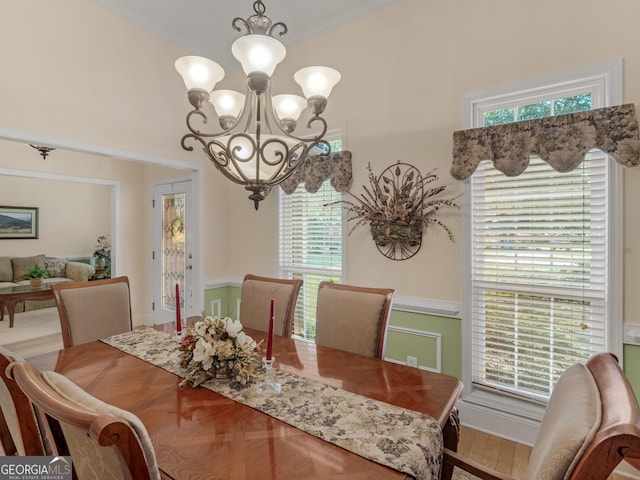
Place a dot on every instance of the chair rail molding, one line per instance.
(222, 282)
(427, 306)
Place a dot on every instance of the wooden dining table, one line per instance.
(199, 434)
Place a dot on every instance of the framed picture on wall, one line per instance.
(18, 222)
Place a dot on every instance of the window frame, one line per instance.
(331, 136)
(604, 82)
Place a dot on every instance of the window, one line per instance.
(311, 237)
(540, 277)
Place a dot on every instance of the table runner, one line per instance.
(405, 440)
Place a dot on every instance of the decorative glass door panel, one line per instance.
(173, 248)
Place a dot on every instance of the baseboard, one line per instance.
(501, 424)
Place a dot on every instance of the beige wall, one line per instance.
(72, 215)
(76, 71)
(405, 71)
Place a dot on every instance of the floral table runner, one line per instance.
(407, 441)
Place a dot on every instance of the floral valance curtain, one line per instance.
(318, 168)
(562, 141)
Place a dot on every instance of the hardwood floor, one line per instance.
(502, 455)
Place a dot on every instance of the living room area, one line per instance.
(68, 217)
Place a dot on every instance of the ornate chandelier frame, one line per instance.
(257, 146)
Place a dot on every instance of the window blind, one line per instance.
(539, 262)
(310, 247)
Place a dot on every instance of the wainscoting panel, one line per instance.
(216, 307)
(426, 347)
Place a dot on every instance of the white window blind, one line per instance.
(310, 247)
(539, 274)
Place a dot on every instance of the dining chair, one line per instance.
(591, 423)
(92, 310)
(255, 299)
(352, 318)
(103, 441)
(19, 429)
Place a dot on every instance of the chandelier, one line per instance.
(257, 145)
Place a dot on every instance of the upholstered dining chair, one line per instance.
(92, 310)
(590, 425)
(255, 301)
(103, 441)
(19, 429)
(352, 318)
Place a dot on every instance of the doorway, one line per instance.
(175, 263)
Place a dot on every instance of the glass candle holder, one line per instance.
(269, 386)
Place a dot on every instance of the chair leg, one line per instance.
(450, 439)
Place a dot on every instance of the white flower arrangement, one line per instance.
(103, 248)
(218, 348)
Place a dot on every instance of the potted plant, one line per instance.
(102, 252)
(36, 275)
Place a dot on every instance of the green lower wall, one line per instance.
(632, 367)
(401, 344)
(228, 297)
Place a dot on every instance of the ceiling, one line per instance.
(203, 27)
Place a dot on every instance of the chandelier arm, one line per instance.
(322, 121)
(315, 138)
(246, 115)
(280, 156)
(281, 26)
(195, 133)
(222, 159)
(234, 153)
(239, 23)
(188, 148)
(299, 159)
(199, 113)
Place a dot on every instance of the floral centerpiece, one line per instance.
(218, 348)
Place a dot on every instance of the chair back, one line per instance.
(92, 310)
(591, 424)
(102, 440)
(352, 318)
(255, 300)
(19, 429)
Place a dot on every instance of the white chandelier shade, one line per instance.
(258, 53)
(317, 81)
(257, 146)
(289, 106)
(199, 72)
(227, 102)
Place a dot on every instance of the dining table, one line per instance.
(200, 434)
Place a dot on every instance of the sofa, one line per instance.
(60, 270)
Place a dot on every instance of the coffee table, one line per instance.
(10, 296)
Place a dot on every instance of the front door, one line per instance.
(174, 247)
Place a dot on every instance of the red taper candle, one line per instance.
(270, 337)
(178, 320)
